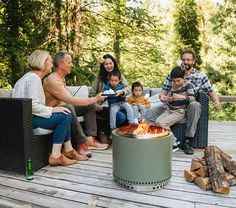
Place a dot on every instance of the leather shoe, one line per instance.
(75, 155)
(62, 160)
(188, 150)
(82, 149)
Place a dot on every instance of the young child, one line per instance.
(138, 102)
(117, 101)
(177, 100)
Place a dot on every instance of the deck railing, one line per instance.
(226, 98)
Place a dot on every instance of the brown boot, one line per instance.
(62, 160)
(75, 155)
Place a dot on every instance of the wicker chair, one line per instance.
(17, 143)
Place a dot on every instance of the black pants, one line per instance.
(103, 121)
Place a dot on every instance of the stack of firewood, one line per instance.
(215, 171)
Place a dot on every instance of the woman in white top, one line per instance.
(57, 118)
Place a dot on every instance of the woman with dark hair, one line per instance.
(108, 64)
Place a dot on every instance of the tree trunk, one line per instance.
(58, 23)
(216, 170)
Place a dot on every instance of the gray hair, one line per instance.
(37, 59)
(59, 56)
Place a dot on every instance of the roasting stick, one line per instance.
(91, 72)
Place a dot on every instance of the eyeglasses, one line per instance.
(187, 60)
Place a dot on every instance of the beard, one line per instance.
(188, 66)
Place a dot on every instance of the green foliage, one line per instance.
(24, 27)
(145, 36)
(187, 27)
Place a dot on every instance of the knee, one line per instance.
(68, 117)
(160, 123)
(195, 105)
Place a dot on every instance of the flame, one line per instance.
(142, 128)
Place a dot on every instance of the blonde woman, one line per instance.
(57, 118)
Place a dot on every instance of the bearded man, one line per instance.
(200, 82)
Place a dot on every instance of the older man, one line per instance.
(200, 82)
(57, 95)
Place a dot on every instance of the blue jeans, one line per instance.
(119, 106)
(59, 122)
(121, 118)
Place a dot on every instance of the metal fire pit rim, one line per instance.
(141, 136)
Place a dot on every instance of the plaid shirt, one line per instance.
(197, 78)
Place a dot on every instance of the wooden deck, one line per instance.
(90, 183)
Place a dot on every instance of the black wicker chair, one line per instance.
(17, 143)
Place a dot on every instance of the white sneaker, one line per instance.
(175, 148)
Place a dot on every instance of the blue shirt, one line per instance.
(114, 99)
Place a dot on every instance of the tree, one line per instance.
(187, 27)
(24, 27)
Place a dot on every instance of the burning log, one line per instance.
(216, 170)
(142, 128)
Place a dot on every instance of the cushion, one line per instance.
(41, 131)
(155, 91)
(5, 93)
(155, 98)
(78, 91)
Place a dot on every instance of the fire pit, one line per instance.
(142, 157)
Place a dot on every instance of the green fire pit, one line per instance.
(142, 163)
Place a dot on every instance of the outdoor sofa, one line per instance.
(18, 143)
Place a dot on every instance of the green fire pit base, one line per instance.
(141, 164)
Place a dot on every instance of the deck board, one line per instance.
(90, 183)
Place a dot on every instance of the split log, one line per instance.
(202, 171)
(189, 175)
(203, 183)
(216, 170)
(197, 163)
(228, 163)
(231, 179)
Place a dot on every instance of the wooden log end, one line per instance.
(203, 183)
(189, 175)
(223, 190)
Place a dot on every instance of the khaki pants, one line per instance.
(170, 117)
(193, 113)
